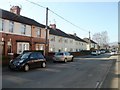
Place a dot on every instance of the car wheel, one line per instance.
(72, 59)
(65, 60)
(9, 67)
(26, 68)
(54, 61)
(43, 65)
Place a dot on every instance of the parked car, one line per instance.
(28, 60)
(102, 51)
(62, 56)
(95, 52)
(99, 52)
(113, 52)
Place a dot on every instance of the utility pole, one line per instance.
(47, 25)
(46, 30)
(89, 41)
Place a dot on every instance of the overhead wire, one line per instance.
(58, 16)
(68, 21)
(35, 3)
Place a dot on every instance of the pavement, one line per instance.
(112, 79)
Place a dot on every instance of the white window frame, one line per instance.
(11, 26)
(23, 29)
(38, 32)
(21, 46)
(1, 25)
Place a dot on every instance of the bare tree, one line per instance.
(101, 38)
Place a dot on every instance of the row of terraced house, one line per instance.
(19, 33)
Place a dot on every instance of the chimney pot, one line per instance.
(53, 26)
(15, 10)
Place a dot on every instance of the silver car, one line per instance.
(63, 56)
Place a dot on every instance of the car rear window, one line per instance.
(40, 56)
(59, 54)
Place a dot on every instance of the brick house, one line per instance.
(19, 33)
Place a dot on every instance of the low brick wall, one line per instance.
(75, 54)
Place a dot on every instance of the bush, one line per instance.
(42, 51)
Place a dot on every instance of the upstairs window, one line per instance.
(11, 26)
(71, 41)
(52, 39)
(60, 40)
(23, 29)
(1, 24)
(66, 41)
(38, 32)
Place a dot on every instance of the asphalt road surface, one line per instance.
(84, 72)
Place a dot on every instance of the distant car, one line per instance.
(95, 52)
(102, 51)
(28, 60)
(62, 56)
(98, 51)
(113, 52)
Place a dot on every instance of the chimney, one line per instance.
(53, 26)
(75, 34)
(15, 10)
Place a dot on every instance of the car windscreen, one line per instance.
(24, 55)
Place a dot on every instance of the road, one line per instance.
(84, 72)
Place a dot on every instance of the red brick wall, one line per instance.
(15, 38)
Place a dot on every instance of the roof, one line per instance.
(87, 40)
(77, 38)
(18, 18)
(58, 32)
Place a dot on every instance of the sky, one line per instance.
(89, 15)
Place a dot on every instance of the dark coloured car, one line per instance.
(28, 60)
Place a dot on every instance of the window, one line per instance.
(82, 44)
(71, 50)
(38, 32)
(67, 53)
(71, 41)
(21, 46)
(33, 56)
(59, 53)
(23, 29)
(40, 56)
(52, 39)
(60, 40)
(66, 41)
(1, 24)
(11, 26)
(51, 49)
(39, 47)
